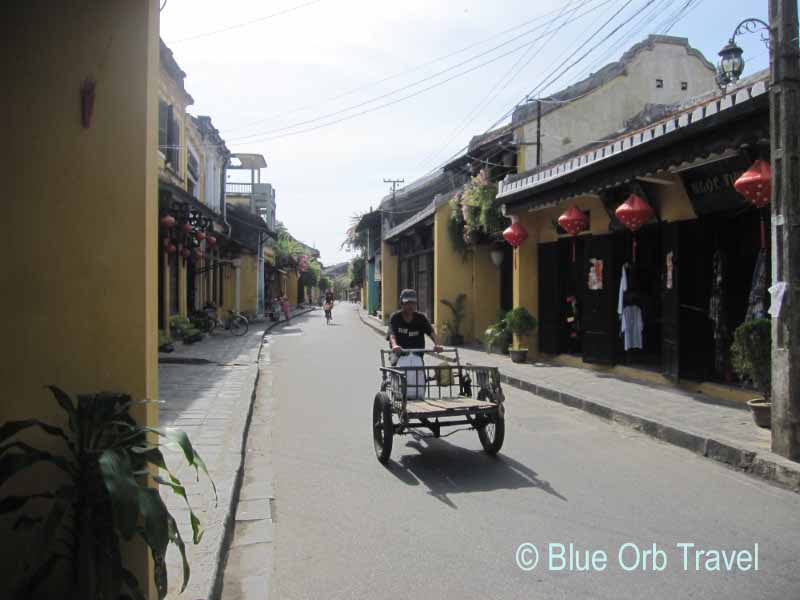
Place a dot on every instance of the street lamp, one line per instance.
(731, 63)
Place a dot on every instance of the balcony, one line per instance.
(242, 189)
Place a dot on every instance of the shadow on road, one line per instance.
(446, 469)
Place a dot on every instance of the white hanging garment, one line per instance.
(632, 326)
(623, 285)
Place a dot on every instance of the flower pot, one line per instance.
(762, 412)
(166, 348)
(520, 355)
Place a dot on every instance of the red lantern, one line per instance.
(210, 241)
(633, 213)
(200, 236)
(198, 253)
(755, 184)
(168, 221)
(573, 221)
(185, 253)
(515, 234)
(171, 249)
(186, 228)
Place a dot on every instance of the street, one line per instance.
(445, 520)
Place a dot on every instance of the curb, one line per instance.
(781, 472)
(217, 577)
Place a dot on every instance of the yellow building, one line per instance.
(682, 165)
(191, 173)
(81, 211)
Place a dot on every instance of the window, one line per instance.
(193, 168)
(168, 134)
(659, 83)
(684, 85)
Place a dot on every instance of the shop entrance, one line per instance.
(725, 243)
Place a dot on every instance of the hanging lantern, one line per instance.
(497, 257)
(168, 221)
(185, 253)
(198, 254)
(633, 213)
(171, 249)
(210, 241)
(573, 221)
(515, 234)
(200, 236)
(755, 184)
(186, 228)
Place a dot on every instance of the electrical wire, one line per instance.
(512, 73)
(549, 78)
(401, 73)
(244, 24)
(408, 86)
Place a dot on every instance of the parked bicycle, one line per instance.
(208, 320)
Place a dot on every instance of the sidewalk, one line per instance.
(721, 432)
(208, 390)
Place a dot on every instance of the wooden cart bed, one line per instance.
(434, 407)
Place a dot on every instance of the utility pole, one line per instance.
(785, 154)
(538, 132)
(394, 183)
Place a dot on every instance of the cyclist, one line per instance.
(408, 328)
(328, 305)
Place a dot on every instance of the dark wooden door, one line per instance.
(601, 280)
(550, 324)
(670, 302)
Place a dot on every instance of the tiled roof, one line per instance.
(629, 141)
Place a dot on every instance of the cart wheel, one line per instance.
(382, 428)
(492, 435)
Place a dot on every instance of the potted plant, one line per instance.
(498, 335)
(459, 310)
(521, 323)
(100, 501)
(751, 355)
(184, 329)
(165, 342)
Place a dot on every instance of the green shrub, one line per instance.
(520, 321)
(164, 339)
(178, 325)
(751, 354)
(498, 335)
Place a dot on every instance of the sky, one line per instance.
(275, 76)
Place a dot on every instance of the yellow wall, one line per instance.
(291, 287)
(81, 209)
(526, 274)
(248, 284)
(452, 275)
(485, 290)
(390, 295)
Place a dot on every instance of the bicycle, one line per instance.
(236, 323)
(328, 313)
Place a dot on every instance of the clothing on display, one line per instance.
(757, 301)
(631, 327)
(623, 286)
(717, 312)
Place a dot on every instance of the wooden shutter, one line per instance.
(599, 319)
(550, 325)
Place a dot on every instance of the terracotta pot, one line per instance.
(519, 355)
(762, 412)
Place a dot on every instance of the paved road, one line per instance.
(445, 521)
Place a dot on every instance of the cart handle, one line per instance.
(421, 351)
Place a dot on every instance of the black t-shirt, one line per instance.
(410, 335)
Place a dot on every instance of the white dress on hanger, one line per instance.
(632, 326)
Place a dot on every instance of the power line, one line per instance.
(408, 86)
(404, 72)
(244, 24)
(510, 74)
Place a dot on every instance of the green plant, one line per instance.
(459, 310)
(520, 321)
(476, 209)
(498, 335)
(164, 339)
(751, 354)
(357, 271)
(101, 501)
(178, 325)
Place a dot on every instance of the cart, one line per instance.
(434, 397)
